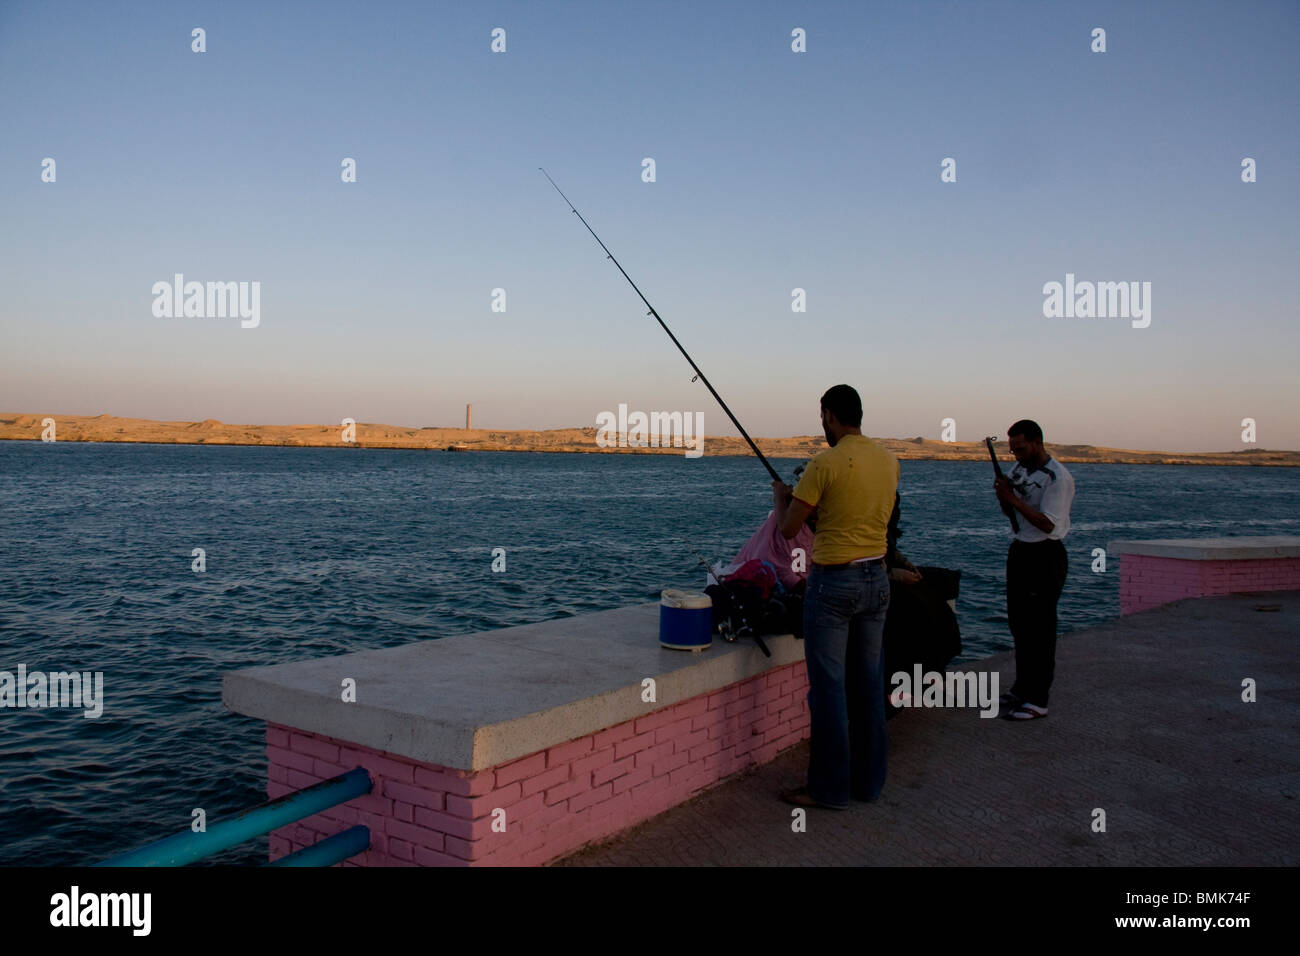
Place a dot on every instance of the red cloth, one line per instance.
(760, 574)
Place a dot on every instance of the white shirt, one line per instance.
(1049, 489)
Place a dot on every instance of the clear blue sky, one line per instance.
(775, 170)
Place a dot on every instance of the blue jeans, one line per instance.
(843, 628)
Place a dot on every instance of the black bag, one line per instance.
(920, 627)
(741, 610)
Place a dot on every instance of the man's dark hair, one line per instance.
(1027, 428)
(843, 402)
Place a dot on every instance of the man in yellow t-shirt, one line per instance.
(852, 487)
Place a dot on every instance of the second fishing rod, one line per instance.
(702, 376)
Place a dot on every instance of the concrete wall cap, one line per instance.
(1260, 547)
(473, 701)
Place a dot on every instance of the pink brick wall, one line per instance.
(555, 800)
(1147, 582)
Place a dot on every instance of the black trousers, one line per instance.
(1035, 577)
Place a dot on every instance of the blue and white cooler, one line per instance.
(685, 620)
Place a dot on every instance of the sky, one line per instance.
(774, 170)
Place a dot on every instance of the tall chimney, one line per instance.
(469, 417)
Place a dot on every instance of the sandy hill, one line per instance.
(107, 428)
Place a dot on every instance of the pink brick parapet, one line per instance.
(1146, 582)
(555, 800)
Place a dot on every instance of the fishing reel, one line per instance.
(728, 633)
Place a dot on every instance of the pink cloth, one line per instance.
(768, 545)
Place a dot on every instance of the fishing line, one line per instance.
(701, 375)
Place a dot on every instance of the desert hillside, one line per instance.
(107, 428)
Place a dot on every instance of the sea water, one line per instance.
(315, 552)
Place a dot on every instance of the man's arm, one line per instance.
(1008, 497)
(791, 513)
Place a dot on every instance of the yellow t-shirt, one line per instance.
(852, 486)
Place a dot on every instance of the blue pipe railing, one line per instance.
(188, 846)
(330, 850)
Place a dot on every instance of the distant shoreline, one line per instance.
(107, 428)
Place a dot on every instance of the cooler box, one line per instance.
(685, 620)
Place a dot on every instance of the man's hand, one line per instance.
(1010, 500)
(781, 493)
(905, 576)
(791, 513)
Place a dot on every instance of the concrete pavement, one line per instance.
(1147, 724)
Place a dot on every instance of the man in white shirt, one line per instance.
(1039, 491)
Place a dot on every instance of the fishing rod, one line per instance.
(1007, 510)
(699, 374)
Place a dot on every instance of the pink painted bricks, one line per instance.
(1153, 573)
(548, 804)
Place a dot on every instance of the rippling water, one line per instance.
(316, 552)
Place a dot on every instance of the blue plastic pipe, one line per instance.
(188, 846)
(329, 851)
